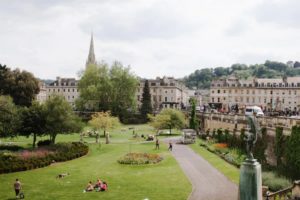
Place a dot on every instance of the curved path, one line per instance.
(208, 183)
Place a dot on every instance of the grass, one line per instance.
(227, 169)
(164, 180)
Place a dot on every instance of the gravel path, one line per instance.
(208, 183)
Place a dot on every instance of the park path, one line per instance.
(208, 183)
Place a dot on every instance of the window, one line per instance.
(224, 91)
(247, 91)
(218, 99)
(73, 89)
(166, 99)
(229, 91)
(247, 99)
(213, 91)
(58, 90)
(159, 97)
(166, 91)
(153, 84)
(213, 100)
(68, 90)
(154, 89)
(218, 91)
(138, 97)
(271, 92)
(64, 90)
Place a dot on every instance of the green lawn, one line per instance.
(227, 169)
(161, 181)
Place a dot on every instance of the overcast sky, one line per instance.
(155, 37)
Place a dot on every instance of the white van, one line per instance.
(253, 109)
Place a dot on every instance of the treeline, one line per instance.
(202, 78)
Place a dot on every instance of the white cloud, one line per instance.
(154, 37)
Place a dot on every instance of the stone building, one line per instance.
(166, 92)
(66, 87)
(270, 94)
(42, 95)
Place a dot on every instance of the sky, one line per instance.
(51, 38)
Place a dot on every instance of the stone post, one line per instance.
(296, 190)
(107, 138)
(250, 187)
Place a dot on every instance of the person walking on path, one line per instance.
(157, 144)
(170, 146)
(17, 187)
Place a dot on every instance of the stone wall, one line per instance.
(235, 123)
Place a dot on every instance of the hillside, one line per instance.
(202, 78)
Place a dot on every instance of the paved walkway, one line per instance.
(208, 183)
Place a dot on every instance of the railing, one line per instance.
(285, 194)
(290, 193)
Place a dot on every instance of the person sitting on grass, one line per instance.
(103, 186)
(98, 184)
(89, 187)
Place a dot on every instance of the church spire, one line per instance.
(91, 57)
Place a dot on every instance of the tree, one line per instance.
(104, 121)
(9, 118)
(60, 118)
(104, 88)
(146, 107)
(292, 154)
(279, 145)
(22, 86)
(193, 118)
(33, 121)
(168, 119)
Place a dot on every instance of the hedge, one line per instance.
(41, 157)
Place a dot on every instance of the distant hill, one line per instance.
(202, 78)
(47, 81)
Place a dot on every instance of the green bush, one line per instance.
(40, 157)
(10, 147)
(275, 182)
(43, 143)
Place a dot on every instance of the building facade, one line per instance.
(66, 87)
(279, 94)
(165, 92)
(42, 95)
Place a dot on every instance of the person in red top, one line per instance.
(103, 186)
(17, 187)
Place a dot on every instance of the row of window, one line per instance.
(156, 98)
(258, 85)
(253, 92)
(247, 100)
(154, 90)
(67, 98)
(63, 90)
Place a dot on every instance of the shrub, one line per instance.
(43, 143)
(275, 182)
(140, 159)
(10, 147)
(40, 157)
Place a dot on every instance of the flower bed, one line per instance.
(40, 157)
(140, 159)
(231, 155)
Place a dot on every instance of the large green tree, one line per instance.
(9, 118)
(146, 107)
(293, 154)
(104, 88)
(60, 118)
(168, 119)
(22, 86)
(33, 121)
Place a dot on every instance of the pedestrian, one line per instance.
(170, 146)
(157, 144)
(17, 187)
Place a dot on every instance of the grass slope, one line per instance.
(154, 182)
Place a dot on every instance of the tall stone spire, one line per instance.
(91, 57)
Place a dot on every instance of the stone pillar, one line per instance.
(296, 190)
(250, 187)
